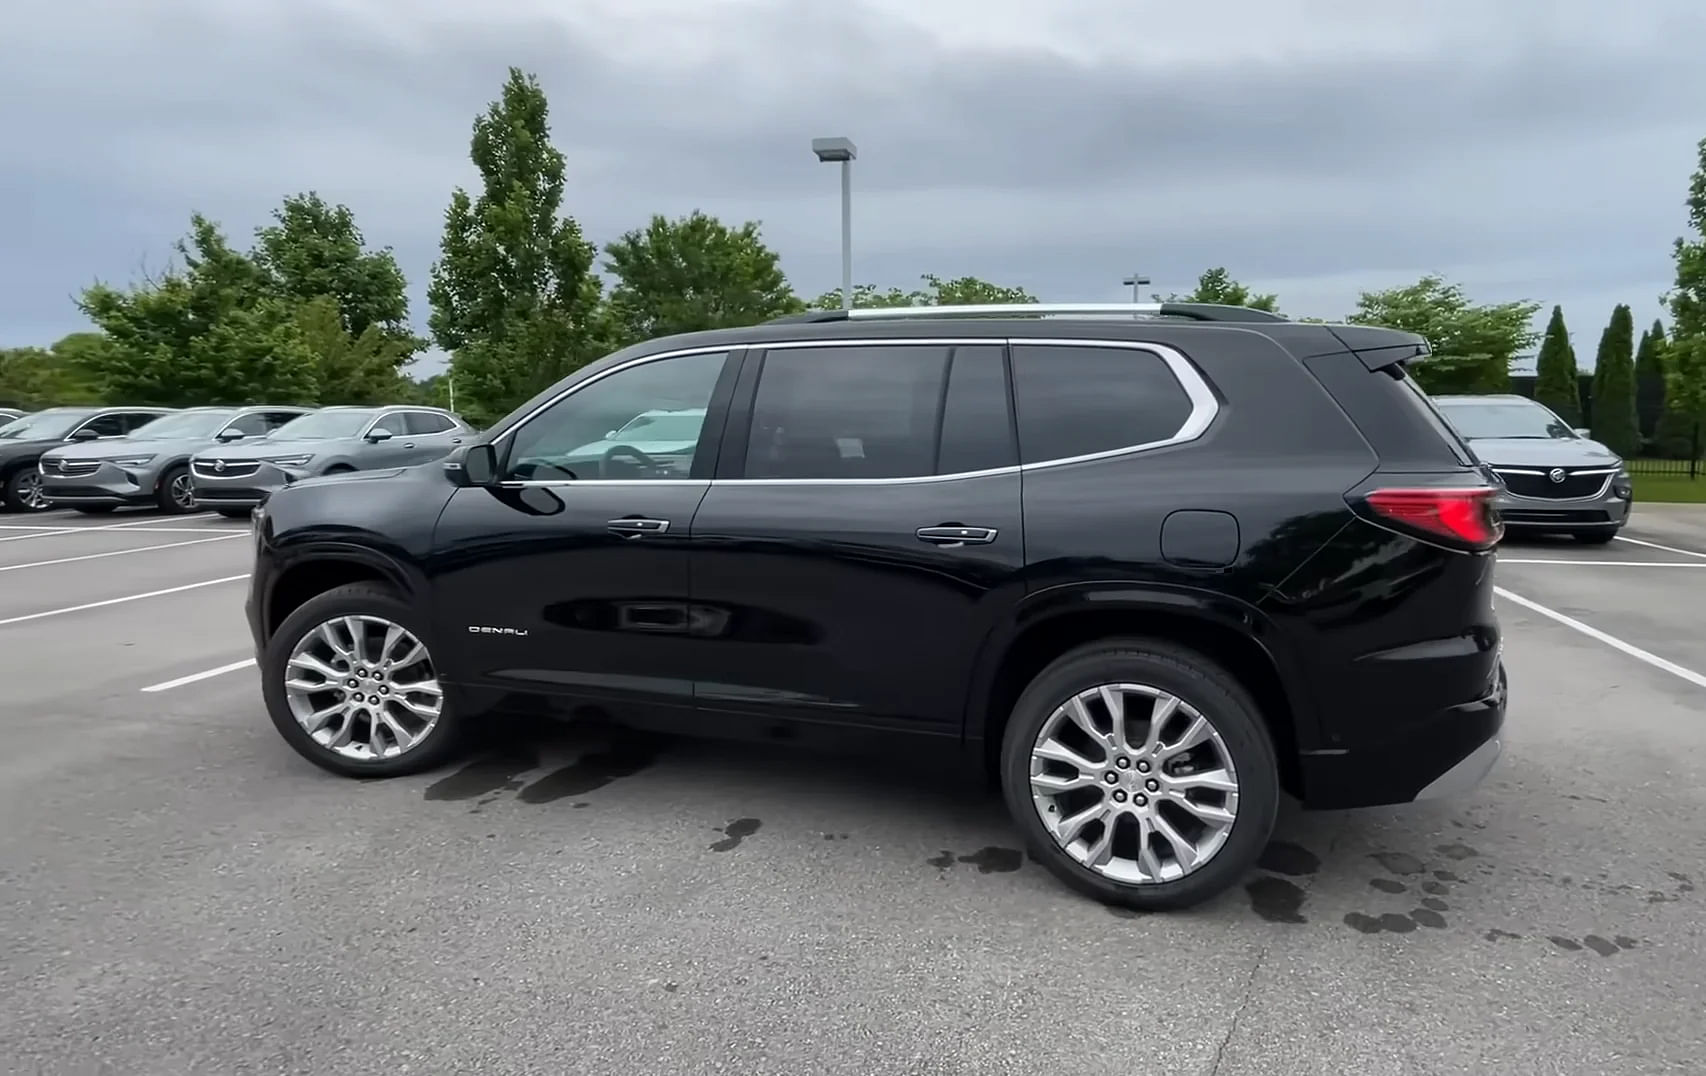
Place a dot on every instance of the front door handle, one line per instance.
(952, 535)
(635, 527)
(408, 444)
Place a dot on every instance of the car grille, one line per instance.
(225, 468)
(1571, 485)
(71, 468)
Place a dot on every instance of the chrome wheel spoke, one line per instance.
(1136, 814)
(356, 710)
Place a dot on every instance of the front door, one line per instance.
(570, 577)
(865, 539)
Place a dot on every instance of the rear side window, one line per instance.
(1392, 413)
(1080, 400)
(425, 422)
(847, 412)
(1430, 413)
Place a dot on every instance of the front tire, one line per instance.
(1140, 774)
(176, 493)
(349, 683)
(22, 491)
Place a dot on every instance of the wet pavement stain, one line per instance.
(484, 776)
(1569, 945)
(942, 862)
(1387, 885)
(1398, 862)
(1436, 888)
(1447, 876)
(1429, 918)
(1434, 904)
(1283, 857)
(1456, 850)
(1600, 945)
(993, 860)
(593, 770)
(735, 832)
(1495, 934)
(1276, 900)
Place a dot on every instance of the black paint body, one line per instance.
(776, 609)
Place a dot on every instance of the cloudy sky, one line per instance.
(1532, 149)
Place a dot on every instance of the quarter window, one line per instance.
(847, 412)
(425, 422)
(646, 421)
(1079, 400)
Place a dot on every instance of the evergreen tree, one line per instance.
(1673, 434)
(1649, 381)
(1615, 424)
(1555, 383)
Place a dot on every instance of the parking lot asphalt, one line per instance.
(183, 894)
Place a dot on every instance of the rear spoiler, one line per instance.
(1381, 349)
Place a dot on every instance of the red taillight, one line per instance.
(1464, 515)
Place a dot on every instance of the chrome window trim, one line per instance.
(1204, 409)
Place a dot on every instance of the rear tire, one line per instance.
(377, 611)
(1146, 874)
(176, 495)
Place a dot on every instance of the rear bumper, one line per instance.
(1445, 756)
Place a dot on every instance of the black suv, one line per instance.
(1153, 563)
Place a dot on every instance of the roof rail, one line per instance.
(1217, 312)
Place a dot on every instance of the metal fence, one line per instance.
(1681, 468)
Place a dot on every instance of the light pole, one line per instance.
(1136, 281)
(843, 151)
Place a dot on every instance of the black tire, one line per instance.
(163, 496)
(12, 493)
(235, 513)
(93, 509)
(1197, 681)
(1598, 537)
(354, 599)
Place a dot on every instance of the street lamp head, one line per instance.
(834, 149)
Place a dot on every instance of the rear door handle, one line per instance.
(953, 535)
(635, 527)
(408, 444)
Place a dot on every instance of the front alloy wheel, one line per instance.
(26, 492)
(1134, 783)
(350, 684)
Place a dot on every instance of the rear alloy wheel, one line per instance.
(350, 684)
(1141, 774)
(176, 495)
(23, 492)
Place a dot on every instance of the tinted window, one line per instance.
(977, 427)
(139, 420)
(251, 425)
(320, 425)
(580, 436)
(395, 422)
(424, 422)
(847, 412)
(1080, 400)
(109, 425)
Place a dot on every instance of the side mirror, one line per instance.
(227, 436)
(376, 436)
(478, 464)
(85, 434)
(1583, 431)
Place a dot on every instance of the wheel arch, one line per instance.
(314, 570)
(1051, 623)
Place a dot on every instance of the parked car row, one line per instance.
(96, 459)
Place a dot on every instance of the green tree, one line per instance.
(1217, 286)
(514, 298)
(1615, 423)
(1673, 434)
(1649, 381)
(212, 332)
(960, 291)
(694, 273)
(1472, 345)
(314, 249)
(1685, 378)
(360, 369)
(32, 378)
(1557, 381)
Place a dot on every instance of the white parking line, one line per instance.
(144, 549)
(49, 532)
(1606, 563)
(205, 674)
(1609, 640)
(121, 601)
(1666, 548)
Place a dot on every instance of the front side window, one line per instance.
(49, 425)
(395, 423)
(190, 425)
(847, 412)
(107, 426)
(1083, 399)
(251, 425)
(645, 421)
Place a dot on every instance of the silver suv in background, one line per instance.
(1555, 478)
(23, 442)
(152, 465)
(333, 440)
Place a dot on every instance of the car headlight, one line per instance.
(288, 461)
(131, 461)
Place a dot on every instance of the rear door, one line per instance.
(861, 537)
(431, 436)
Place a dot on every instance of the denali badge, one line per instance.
(477, 629)
(1557, 474)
